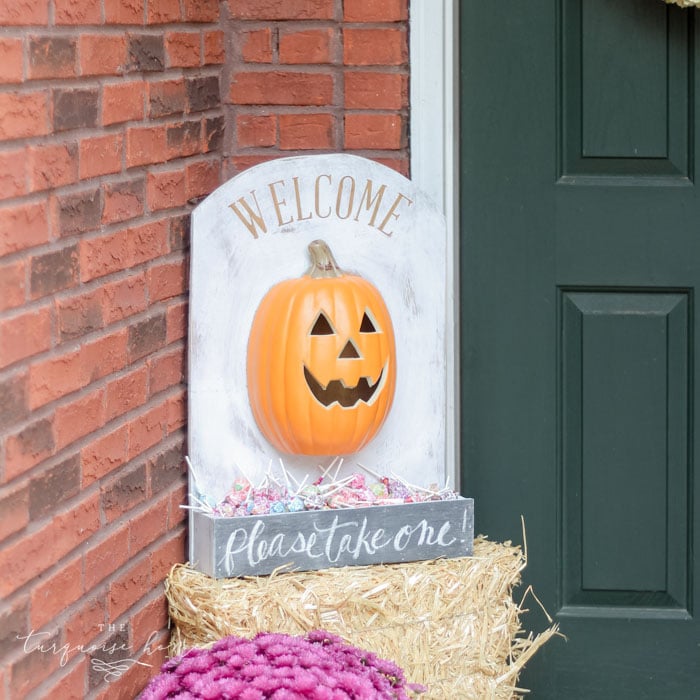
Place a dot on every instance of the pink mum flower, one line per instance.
(318, 666)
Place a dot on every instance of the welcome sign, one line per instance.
(318, 324)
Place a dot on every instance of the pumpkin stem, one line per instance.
(323, 263)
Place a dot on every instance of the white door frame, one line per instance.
(434, 123)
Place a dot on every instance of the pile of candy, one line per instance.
(276, 496)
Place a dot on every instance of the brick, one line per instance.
(14, 624)
(109, 651)
(145, 145)
(146, 52)
(147, 430)
(23, 226)
(184, 139)
(102, 54)
(105, 355)
(123, 200)
(124, 12)
(166, 97)
(78, 212)
(79, 418)
(166, 555)
(25, 334)
(54, 271)
(24, 12)
(257, 46)
(124, 298)
(144, 622)
(13, 398)
(167, 280)
(162, 11)
(14, 517)
(23, 115)
(282, 9)
(213, 133)
(373, 131)
(126, 393)
(52, 165)
(214, 47)
(107, 556)
(166, 371)
(200, 11)
(147, 527)
(306, 131)
(123, 493)
(55, 593)
(374, 11)
(176, 322)
(13, 173)
(84, 625)
(178, 498)
(177, 411)
(33, 667)
(254, 130)
(80, 314)
(77, 12)
(101, 155)
(52, 57)
(12, 284)
(182, 49)
(179, 233)
(74, 108)
(54, 486)
(26, 448)
(201, 178)
(310, 46)
(148, 241)
(165, 190)
(238, 164)
(282, 88)
(103, 455)
(167, 468)
(11, 60)
(24, 559)
(55, 377)
(102, 255)
(365, 90)
(147, 336)
(367, 47)
(123, 102)
(203, 93)
(75, 526)
(71, 684)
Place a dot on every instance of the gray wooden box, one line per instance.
(312, 540)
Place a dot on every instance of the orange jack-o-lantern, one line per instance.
(321, 361)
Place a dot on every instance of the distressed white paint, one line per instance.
(231, 271)
(434, 28)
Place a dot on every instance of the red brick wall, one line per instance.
(316, 76)
(116, 117)
(110, 126)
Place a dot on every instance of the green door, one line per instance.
(580, 274)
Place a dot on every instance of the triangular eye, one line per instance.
(322, 326)
(367, 326)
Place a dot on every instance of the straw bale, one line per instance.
(451, 624)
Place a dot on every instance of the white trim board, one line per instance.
(434, 31)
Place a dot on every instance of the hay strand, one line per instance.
(451, 624)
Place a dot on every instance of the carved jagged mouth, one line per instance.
(346, 396)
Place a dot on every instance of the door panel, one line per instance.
(580, 261)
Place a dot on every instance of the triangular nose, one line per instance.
(349, 352)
